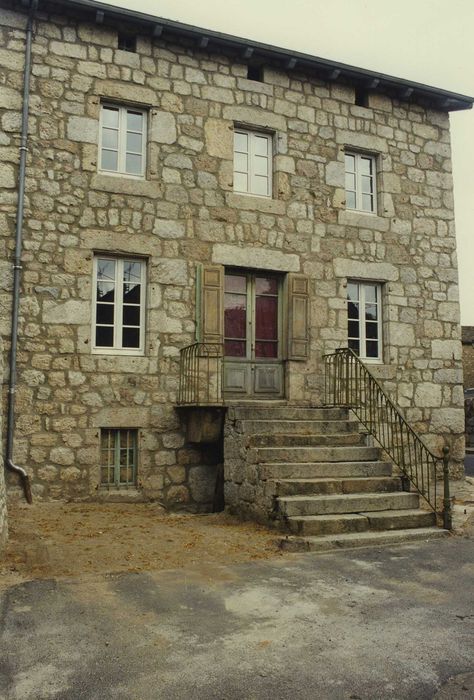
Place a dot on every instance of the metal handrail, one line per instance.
(349, 382)
(200, 375)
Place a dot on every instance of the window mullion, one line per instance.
(121, 140)
(119, 304)
(251, 156)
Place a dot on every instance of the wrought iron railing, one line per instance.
(349, 382)
(200, 378)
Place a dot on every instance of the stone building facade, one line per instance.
(350, 193)
(467, 338)
(3, 492)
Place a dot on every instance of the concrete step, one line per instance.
(356, 453)
(298, 427)
(359, 539)
(377, 484)
(319, 470)
(317, 525)
(347, 503)
(286, 440)
(287, 413)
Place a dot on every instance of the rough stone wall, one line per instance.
(468, 364)
(3, 493)
(185, 212)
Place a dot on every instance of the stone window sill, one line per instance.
(124, 185)
(253, 203)
(363, 219)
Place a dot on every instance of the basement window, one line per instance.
(127, 42)
(255, 73)
(118, 457)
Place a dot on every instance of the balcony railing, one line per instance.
(348, 382)
(200, 378)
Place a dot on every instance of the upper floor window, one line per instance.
(360, 182)
(119, 308)
(252, 163)
(364, 300)
(122, 140)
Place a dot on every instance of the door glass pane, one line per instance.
(105, 314)
(266, 318)
(353, 329)
(352, 310)
(235, 315)
(104, 336)
(371, 330)
(236, 283)
(266, 285)
(266, 349)
(131, 338)
(371, 312)
(372, 348)
(235, 348)
(131, 315)
(354, 345)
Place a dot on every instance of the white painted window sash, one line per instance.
(121, 149)
(255, 173)
(362, 288)
(118, 304)
(359, 159)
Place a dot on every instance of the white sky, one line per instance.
(429, 41)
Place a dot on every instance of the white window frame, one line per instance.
(251, 156)
(362, 285)
(117, 347)
(122, 140)
(358, 176)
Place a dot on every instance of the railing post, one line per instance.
(447, 510)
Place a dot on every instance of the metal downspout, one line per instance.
(17, 259)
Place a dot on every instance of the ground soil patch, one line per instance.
(53, 540)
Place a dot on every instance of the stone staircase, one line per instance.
(327, 488)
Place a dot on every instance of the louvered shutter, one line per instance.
(298, 317)
(210, 303)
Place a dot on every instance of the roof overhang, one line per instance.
(247, 49)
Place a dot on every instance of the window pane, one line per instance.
(350, 181)
(132, 271)
(109, 160)
(266, 318)
(240, 182)
(104, 337)
(235, 283)
(131, 316)
(134, 142)
(240, 163)
(260, 145)
(105, 291)
(234, 348)
(131, 293)
(371, 312)
(370, 291)
(131, 338)
(367, 204)
(365, 166)
(367, 184)
(105, 314)
(353, 291)
(260, 185)
(353, 329)
(350, 163)
(266, 285)
(372, 348)
(371, 330)
(105, 269)
(110, 138)
(260, 166)
(263, 349)
(352, 310)
(110, 116)
(240, 142)
(134, 121)
(354, 345)
(350, 200)
(133, 164)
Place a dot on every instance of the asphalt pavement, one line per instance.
(393, 622)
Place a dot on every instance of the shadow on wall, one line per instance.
(469, 412)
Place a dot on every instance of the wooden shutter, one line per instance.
(298, 317)
(210, 312)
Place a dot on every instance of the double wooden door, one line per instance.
(253, 363)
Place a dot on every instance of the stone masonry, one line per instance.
(3, 493)
(185, 212)
(468, 369)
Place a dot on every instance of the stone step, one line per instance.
(320, 470)
(356, 453)
(298, 427)
(346, 503)
(318, 525)
(285, 440)
(287, 413)
(377, 484)
(359, 539)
